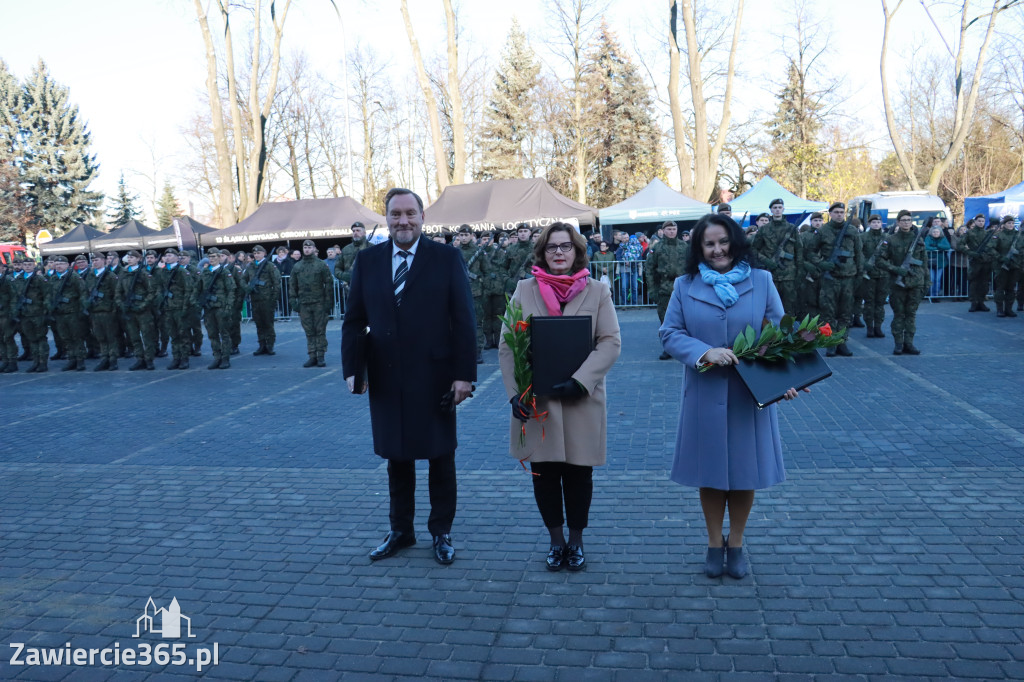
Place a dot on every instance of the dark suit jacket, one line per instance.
(413, 352)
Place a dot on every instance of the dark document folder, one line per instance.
(558, 346)
(769, 380)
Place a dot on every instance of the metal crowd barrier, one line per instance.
(284, 308)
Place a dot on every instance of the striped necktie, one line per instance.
(400, 275)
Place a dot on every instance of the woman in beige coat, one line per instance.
(564, 448)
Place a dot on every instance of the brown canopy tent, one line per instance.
(304, 219)
(501, 204)
(184, 233)
(131, 235)
(76, 240)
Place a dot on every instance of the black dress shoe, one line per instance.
(664, 355)
(574, 560)
(444, 553)
(394, 541)
(556, 558)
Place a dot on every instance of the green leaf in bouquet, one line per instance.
(740, 344)
(750, 335)
(787, 322)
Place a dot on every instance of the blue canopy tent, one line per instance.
(756, 199)
(975, 205)
(655, 203)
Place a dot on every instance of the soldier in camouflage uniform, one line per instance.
(665, 262)
(979, 245)
(187, 260)
(135, 294)
(809, 289)
(476, 264)
(874, 286)
(215, 295)
(59, 342)
(1007, 266)
(311, 293)
(838, 276)
(159, 276)
(911, 280)
(519, 258)
(263, 282)
(344, 263)
(177, 294)
(30, 314)
(101, 309)
(494, 292)
(80, 269)
(235, 266)
(778, 247)
(66, 299)
(8, 300)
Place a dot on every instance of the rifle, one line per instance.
(977, 252)
(58, 297)
(1012, 252)
(874, 256)
(126, 304)
(95, 294)
(909, 259)
(522, 266)
(166, 294)
(16, 315)
(472, 260)
(837, 249)
(205, 297)
(782, 247)
(256, 281)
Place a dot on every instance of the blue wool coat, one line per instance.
(724, 441)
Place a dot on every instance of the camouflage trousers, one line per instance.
(314, 322)
(836, 301)
(478, 312)
(263, 317)
(789, 295)
(494, 307)
(874, 293)
(8, 347)
(195, 327)
(33, 335)
(979, 277)
(71, 329)
(904, 303)
(218, 328)
(180, 333)
(105, 329)
(236, 324)
(807, 298)
(1005, 285)
(141, 332)
(163, 328)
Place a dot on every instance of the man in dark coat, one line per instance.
(419, 358)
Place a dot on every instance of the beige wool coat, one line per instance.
(574, 431)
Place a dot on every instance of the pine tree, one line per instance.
(122, 208)
(509, 119)
(626, 141)
(794, 154)
(52, 153)
(167, 208)
(10, 114)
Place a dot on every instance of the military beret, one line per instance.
(111, 254)
(212, 251)
(1007, 219)
(835, 205)
(81, 259)
(173, 251)
(150, 252)
(464, 229)
(724, 207)
(309, 242)
(96, 256)
(980, 215)
(777, 201)
(135, 253)
(817, 216)
(189, 252)
(873, 217)
(358, 224)
(60, 259)
(258, 249)
(522, 226)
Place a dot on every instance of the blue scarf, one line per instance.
(723, 284)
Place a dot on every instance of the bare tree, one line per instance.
(708, 140)
(965, 95)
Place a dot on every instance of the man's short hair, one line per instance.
(398, 191)
(281, 249)
(776, 201)
(904, 214)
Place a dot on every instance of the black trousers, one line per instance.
(557, 482)
(443, 493)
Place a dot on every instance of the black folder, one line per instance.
(768, 380)
(558, 346)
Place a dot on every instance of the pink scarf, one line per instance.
(556, 289)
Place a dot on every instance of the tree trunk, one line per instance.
(293, 165)
(454, 94)
(225, 190)
(440, 159)
(236, 114)
(678, 121)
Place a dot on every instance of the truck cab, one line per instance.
(8, 250)
(921, 205)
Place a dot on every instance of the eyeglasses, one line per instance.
(564, 247)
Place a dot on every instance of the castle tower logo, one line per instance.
(165, 622)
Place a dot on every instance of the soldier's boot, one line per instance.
(857, 322)
(262, 350)
(162, 353)
(149, 364)
(830, 352)
(42, 367)
(25, 355)
(879, 334)
(113, 365)
(195, 352)
(897, 341)
(235, 351)
(871, 329)
(984, 308)
(175, 364)
(320, 362)
(975, 307)
(71, 366)
(3, 366)
(1009, 309)
(81, 365)
(137, 365)
(183, 364)
(215, 364)
(104, 364)
(33, 367)
(225, 362)
(269, 349)
(908, 345)
(311, 362)
(11, 367)
(842, 350)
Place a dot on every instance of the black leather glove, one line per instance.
(568, 390)
(520, 410)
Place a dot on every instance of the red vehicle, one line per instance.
(7, 251)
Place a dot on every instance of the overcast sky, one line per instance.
(135, 67)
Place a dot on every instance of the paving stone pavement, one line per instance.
(893, 550)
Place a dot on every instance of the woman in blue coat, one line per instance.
(726, 446)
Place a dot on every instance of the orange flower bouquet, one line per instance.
(784, 341)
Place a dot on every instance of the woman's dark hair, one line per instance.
(739, 248)
(579, 245)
